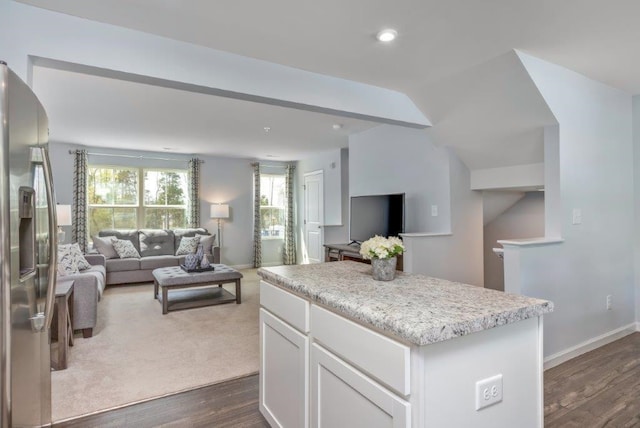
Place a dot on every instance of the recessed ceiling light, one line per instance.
(337, 126)
(167, 149)
(272, 156)
(267, 129)
(387, 35)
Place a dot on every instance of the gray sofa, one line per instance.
(157, 248)
(88, 286)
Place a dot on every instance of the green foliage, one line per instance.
(272, 204)
(165, 188)
(112, 186)
(165, 198)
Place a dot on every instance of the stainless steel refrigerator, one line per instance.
(27, 256)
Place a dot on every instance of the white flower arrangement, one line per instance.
(380, 247)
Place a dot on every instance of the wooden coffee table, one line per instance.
(198, 288)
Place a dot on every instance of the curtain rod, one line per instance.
(272, 165)
(71, 152)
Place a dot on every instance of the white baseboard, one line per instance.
(589, 345)
(239, 267)
(271, 264)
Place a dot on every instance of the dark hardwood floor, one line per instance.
(597, 389)
(229, 404)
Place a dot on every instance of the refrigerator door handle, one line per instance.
(53, 240)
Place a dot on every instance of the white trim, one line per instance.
(423, 234)
(317, 171)
(528, 242)
(271, 264)
(589, 345)
(239, 267)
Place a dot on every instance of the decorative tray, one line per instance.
(208, 269)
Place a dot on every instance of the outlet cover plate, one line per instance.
(488, 391)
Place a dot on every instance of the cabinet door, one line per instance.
(341, 396)
(284, 373)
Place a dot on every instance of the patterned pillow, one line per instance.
(67, 264)
(104, 245)
(207, 242)
(125, 248)
(77, 255)
(188, 245)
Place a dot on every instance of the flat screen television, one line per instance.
(376, 215)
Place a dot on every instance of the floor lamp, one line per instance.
(219, 212)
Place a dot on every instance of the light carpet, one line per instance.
(136, 353)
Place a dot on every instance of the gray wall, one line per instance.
(596, 174)
(390, 159)
(334, 166)
(337, 234)
(525, 219)
(224, 180)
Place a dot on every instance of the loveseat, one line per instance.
(156, 247)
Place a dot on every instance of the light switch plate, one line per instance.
(577, 216)
(434, 211)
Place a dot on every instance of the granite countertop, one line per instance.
(413, 307)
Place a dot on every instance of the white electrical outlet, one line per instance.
(434, 211)
(609, 302)
(488, 391)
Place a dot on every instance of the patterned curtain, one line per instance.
(193, 209)
(79, 207)
(257, 238)
(289, 253)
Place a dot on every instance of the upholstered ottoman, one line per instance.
(204, 288)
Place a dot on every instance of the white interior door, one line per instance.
(313, 216)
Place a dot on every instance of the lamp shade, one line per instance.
(63, 215)
(219, 211)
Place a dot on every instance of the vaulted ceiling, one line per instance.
(454, 58)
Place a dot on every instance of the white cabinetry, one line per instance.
(341, 396)
(322, 370)
(283, 373)
(348, 387)
(284, 358)
(384, 359)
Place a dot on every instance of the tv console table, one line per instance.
(339, 252)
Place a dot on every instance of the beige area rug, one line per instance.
(136, 353)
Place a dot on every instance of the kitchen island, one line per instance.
(341, 349)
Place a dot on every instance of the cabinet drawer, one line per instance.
(285, 305)
(384, 359)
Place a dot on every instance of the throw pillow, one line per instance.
(207, 242)
(188, 245)
(66, 262)
(104, 245)
(125, 248)
(78, 257)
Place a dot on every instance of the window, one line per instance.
(165, 199)
(115, 198)
(272, 206)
